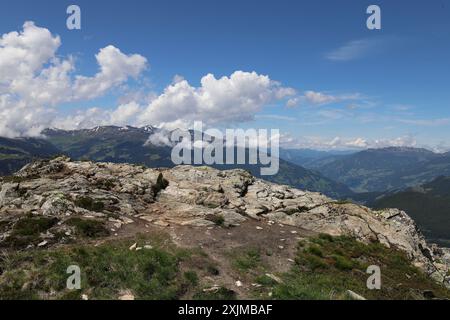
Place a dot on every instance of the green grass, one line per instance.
(249, 259)
(88, 227)
(265, 281)
(221, 293)
(191, 277)
(26, 231)
(89, 204)
(106, 270)
(326, 267)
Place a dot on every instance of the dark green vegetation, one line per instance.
(106, 271)
(89, 204)
(220, 294)
(379, 170)
(161, 184)
(26, 231)
(88, 227)
(246, 260)
(428, 205)
(326, 267)
(219, 220)
(15, 153)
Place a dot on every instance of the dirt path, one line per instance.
(277, 244)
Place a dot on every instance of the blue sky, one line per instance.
(388, 86)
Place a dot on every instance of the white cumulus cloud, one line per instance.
(236, 98)
(34, 80)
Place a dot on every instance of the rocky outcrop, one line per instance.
(119, 194)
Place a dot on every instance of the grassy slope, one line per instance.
(107, 271)
(325, 267)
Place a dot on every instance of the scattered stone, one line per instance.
(126, 295)
(354, 295)
(161, 223)
(133, 247)
(274, 277)
(43, 243)
(214, 288)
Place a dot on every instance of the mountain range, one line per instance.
(130, 145)
(380, 170)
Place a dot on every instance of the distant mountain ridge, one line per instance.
(375, 170)
(427, 204)
(130, 145)
(15, 153)
(309, 157)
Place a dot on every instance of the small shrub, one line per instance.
(248, 260)
(191, 277)
(105, 184)
(88, 228)
(212, 270)
(27, 231)
(33, 226)
(291, 211)
(89, 204)
(219, 294)
(326, 237)
(313, 262)
(161, 184)
(218, 219)
(315, 250)
(342, 263)
(265, 281)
